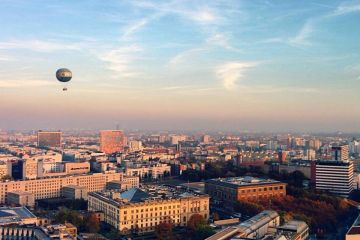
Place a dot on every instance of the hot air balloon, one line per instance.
(64, 75)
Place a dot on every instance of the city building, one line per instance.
(282, 156)
(175, 139)
(16, 215)
(135, 145)
(236, 189)
(148, 170)
(126, 183)
(74, 192)
(52, 169)
(5, 169)
(254, 228)
(315, 144)
(143, 209)
(112, 141)
(49, 139)
(264, 226)
(336, 177)
(65, 231)
(51, 187)
(205, 139)
(21, 198)
(340, 153)
(354, 231)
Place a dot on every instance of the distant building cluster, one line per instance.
(135, 181)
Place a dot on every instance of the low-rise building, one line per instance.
(21, 198)
(143, 209)
(74, 192)
(65, 231)
(235, 189)
(148, 171)
(126, 183)
(264, 226)
(354, 231)
(256, 227)
(16, 215)
(51, 187)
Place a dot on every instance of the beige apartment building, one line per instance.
(148, 171)
(5, 169)
(126, 183)
(21, 198)
(142, 211)
(51, 187)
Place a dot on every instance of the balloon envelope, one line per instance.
(63, 75)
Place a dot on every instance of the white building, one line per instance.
(335, 176)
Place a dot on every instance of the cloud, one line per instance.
(38, 45)
(276, 89)
(302, 37)
(232, 72)
(134, 27)
(346, 8)
(4, 58)
(119, 60)
(181, 57)
(24, 83)
(201, 15)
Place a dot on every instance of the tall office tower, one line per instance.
(340, 153)
(354, 147)
(205, 138)
(49, 139)
(175, 139)
(135, 145)
(334, 176)
(315, 144)
(112, 141)
(282, 156)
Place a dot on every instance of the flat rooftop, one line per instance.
(241, 181)
(355, 228)
(10, 215)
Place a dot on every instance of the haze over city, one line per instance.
(181, 65)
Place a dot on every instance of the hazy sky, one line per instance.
(242, 65)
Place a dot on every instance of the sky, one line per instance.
(181, 65)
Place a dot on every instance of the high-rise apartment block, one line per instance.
(49, 139)
(112, 141)
(340, 153)
(205, 138)
(337, 177)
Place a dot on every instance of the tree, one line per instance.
(248, 208)
(216, 216)
(195, 221)
(163, 231)
(92, 223)
(202, 232)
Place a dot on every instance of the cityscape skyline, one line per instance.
(191, 65)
